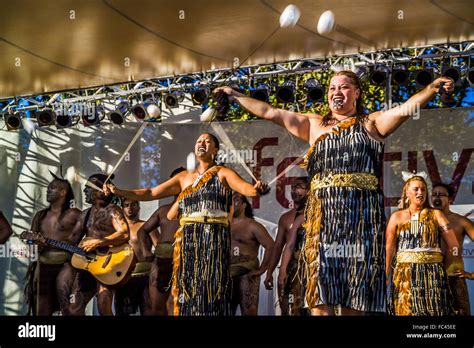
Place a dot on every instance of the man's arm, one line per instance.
(288, 251)
(5, 229)
(468, 226)
(277, 249)
(144, 232)
(120, 236)
(264, 239)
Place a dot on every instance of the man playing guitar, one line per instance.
(105, 225)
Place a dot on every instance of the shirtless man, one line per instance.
(247, 236)
(162, 267)
(299, 191)
(50, 278)
(134, 295)
(461, 226)
(106, 225)
(5, 229)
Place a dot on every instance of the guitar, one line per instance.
(109, 265)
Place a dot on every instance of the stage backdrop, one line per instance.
(439, 142)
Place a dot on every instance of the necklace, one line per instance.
(199, 177)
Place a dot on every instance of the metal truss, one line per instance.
(248, 76)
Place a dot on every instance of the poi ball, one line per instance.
(153, 110)
(71, 175)
(208, 115)
(326, 22)
(290, 16)
(191, 162)
(29, 126)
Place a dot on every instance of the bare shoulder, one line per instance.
(114, 210)
(397, 216)
(286, 217)
(74, 212)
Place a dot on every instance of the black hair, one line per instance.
(447, 187)
(102, 178)
(214, 139)
(248, 212)
(177, 171)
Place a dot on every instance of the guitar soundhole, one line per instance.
(118, 274)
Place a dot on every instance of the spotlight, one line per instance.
(315, 91)
(423, 77)
(470, 77)
(453, 72)
(117, 116)
(173, 99)
(400, 76)
(200, 96)
(63, 121)
(262, 92)
(13, 121)
(45, 117)
(378, 77)
(285, 93)
(90, 115)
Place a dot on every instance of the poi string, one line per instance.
(139, 132)
(287, 169)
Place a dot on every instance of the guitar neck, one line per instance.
(66, 246)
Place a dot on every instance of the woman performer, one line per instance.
(420, 283)
(345, 204)
(201, 269)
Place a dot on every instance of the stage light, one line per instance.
(91, 116)
(173, 99)
(285, 93)
(470, 77)
(400, 76)
(314, 90)
(45, 117)
(13, 121)
(149, 108)
(200, 96)
(117, 116)
(453, 72)
(423, 77)
(63, 121)
(378, 77)
(262, 92)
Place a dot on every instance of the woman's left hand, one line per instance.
(446, 83)
(461, 274)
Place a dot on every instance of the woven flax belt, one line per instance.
(359, 180)
(419, 257)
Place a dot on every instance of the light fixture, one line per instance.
(262, 92)
(200, 95)
(400, 76)
(172, 99)
(453, 72)
(285, 93)
(45, 117)
(90, 116)
(378, 77)
(470, 77)
(13, 121)
(117, 116)
(423, 77)
(148, 108)
(314, 90)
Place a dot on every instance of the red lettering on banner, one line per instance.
(284, 181)
(390, 157)
(458, 171)
(262, 162)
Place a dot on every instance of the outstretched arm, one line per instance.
(295, 123)
(171, 187)
(388, 121)
(236, 183)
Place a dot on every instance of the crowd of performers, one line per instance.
(199, 254)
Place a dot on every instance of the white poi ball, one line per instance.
(208, 115)
(326, 22)
(191, 162)
(71, 175)
(290, 16)
(153, 110)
